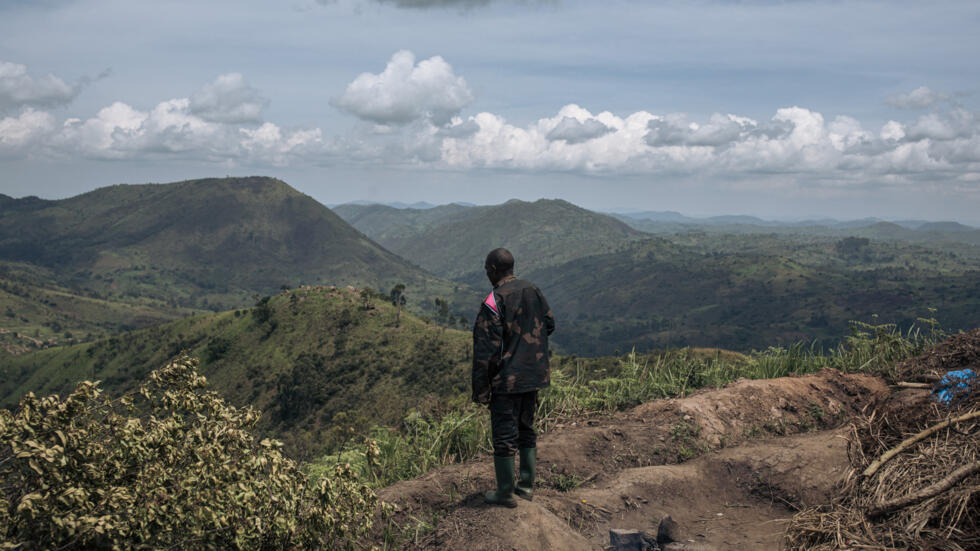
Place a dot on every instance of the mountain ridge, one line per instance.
(539, 233)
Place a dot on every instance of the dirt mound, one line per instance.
(675, 430)
(621, 471)
(739, 497)
(957, 352)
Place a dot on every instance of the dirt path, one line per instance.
(728, 465)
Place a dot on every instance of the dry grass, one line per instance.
(944, 464)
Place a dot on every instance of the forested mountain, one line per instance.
(227, 236)
(311, 359)
(452, 240)
(199, 244)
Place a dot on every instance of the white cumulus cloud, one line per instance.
(19, 134)
(919, 98)
(206, 126)
(228, 99)
(575, 131)
(795, 141)
(406, 91)
(19, 89)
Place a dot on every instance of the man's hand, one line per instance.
(482, 398)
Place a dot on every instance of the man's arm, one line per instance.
(549, 318)
(488, 334)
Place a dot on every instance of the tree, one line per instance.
(851, 246)
(398, 300)
(443, 316)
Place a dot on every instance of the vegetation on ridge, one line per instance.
(312, 359)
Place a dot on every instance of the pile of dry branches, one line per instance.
(915, 476)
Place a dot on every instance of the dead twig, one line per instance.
(905, 384)
(927, 492)
(873, 468)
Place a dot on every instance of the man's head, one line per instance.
(499, 263)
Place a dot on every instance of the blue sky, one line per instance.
(776, 109)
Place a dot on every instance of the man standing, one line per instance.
(510, 365)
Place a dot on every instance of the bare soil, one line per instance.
(729, 465)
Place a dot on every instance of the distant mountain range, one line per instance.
(721, 220)
(324, 357)
(228, 236)
(728, 283)
(729, 220)
(174, 249)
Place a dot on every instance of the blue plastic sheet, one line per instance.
(955, 386)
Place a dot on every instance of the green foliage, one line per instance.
(420, 443)
(168, 466)
(562, 481)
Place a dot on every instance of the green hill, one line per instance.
(315, 360)
(750, 292)
(201, 244)
(452, 240)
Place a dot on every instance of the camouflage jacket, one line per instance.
(510, 341)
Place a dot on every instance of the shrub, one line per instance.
(170, 465)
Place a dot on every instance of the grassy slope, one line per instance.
(542, 233)
(312, 359)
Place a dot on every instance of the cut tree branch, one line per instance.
(927, 492)
(873, 468)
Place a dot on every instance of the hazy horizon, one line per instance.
(610, 210)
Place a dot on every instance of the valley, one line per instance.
(347, 332)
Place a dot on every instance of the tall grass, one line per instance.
(422, 443)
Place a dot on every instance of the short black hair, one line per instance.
(501, 260)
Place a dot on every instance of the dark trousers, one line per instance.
(512, 422)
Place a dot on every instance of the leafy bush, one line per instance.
(168, 466)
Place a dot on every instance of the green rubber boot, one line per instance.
(525, 481)
(503, 467)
